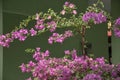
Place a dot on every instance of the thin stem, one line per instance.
(83, 40)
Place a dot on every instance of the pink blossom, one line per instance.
(40, 27)
(22, 38)
(74, 54)
(63, 12)
(40, 21)
(67, 52)
(34, 74)
(74, 12)
(68, 33)
(46, 53)
(20, 35)
(71, 5)
(55, 34)
(31, 64)
(55, 38)
(50, 40)
(49, 17)
(33, 32)
(37, 16)
(59, 37)
(37, 56)
(15, 35)
(23, 31)
(52, 26)
(29, 78)
(5, 41)
(38, 49)
(40, 24)
(23, 67)
(66, 3)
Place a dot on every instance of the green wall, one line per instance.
(115, 41)
(15, 11)
(28, 7)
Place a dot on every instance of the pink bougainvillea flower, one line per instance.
(71, 5)
(63, 12)
(37, 16)
(33, 32)
(74, 12)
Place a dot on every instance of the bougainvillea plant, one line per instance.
(71, 66)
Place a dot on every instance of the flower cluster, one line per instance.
(21, 35)
(41, 26)
(59, 37)
(92, 77)
(69, 68)
(116, 72)
(117, 27)
(97, 18)
(39, 23)
(117, 22)
(69, 8)
(33, 32)
(52, 26)
(73, 53)
(5, 41)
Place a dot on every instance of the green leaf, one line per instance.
(30, 50)
(87, 26)
(36, 79)
(78, 75)
(101, 3)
